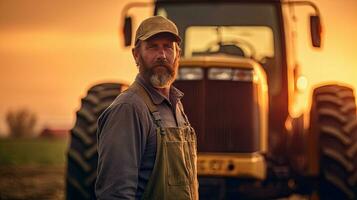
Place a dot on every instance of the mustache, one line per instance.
(163, 63)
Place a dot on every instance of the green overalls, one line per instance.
(175, 170)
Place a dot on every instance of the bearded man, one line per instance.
(146, 146)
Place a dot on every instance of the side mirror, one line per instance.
(127, 31)
(315, 29)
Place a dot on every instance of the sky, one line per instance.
(51, 52)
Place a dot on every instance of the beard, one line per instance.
(160, 74)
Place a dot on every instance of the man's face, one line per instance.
(158, 59)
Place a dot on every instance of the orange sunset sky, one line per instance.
(51, 52)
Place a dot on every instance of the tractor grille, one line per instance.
(223, 113)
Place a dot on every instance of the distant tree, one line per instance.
(21, 123)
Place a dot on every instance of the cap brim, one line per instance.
(147, 36)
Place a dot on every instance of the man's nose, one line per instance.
(162, 53)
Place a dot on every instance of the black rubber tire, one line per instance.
(333, 121)
(82, 153)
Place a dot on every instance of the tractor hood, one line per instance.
(226, 102)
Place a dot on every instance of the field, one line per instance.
(32, 168)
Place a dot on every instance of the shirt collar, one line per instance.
(156, 96)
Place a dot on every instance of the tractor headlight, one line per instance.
(190, 74)
(220, 74)
(230, 74)
(243, 75)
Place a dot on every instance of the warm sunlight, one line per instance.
(52, 52)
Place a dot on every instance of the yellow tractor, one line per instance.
(239, 74)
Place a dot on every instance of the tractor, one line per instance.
(239, 73)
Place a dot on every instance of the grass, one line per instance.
(32, 168)
(38, 151)
(32, 182)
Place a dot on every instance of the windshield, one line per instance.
(246, 41)
(239, 29)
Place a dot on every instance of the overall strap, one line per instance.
(184, 115)
(149, 103)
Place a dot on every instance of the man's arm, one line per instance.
(120, 147)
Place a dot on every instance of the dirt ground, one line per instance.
(42, 183)
(32, 182)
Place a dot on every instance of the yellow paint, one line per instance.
(249, 165)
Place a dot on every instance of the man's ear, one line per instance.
(178, 50)
(135, 53)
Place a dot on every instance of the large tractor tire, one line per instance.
(82, 152)
(333, 124)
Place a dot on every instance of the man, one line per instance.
(146, 146)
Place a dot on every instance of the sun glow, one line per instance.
(51, 54)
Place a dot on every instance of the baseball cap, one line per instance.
(155, 25)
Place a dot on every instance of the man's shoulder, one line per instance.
(125, 103)
(129, 98)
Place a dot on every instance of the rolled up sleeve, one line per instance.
(120, 147)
